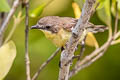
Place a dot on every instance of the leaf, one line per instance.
(4, 7)
(104, 13)
(113, 8)
(80, 3)
(37, 11)
(118, 5)
(91, 40)
(101, 4)
(7, 56)
(76, 10)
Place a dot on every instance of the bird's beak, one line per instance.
(37, 27)
(34, 27)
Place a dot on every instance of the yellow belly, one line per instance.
(59, 39)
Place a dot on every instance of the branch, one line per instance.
(27, 60)
(17, 20)
(6, 21)
(2, 16)
(90, 58)
(116, 19)
(78, 32)
(115, 42)
(82, 48)
(117, 35)
(45, 64)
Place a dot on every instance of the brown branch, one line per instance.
(45, 64)
(2, 16)
(90, 58)
(6, 21)
(117, 35)
(27, 60)
(115, 42)
(83, 46)
(78, 33)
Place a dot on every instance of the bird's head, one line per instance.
(49, 23)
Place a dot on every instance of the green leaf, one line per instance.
(37, 11)
(80, 3)
(101, 4)
(7, 56)
(4, 7)
(104, 13)
(113, 8)
(118, 4)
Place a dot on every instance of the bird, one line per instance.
(58, 29)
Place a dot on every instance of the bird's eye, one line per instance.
(47, 27)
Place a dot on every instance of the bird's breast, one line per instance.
(60, 38)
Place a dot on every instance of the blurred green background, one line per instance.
(106, 68)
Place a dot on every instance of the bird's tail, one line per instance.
(96, 28)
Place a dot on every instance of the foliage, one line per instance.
(113, 8)
(37, 11)
(104, 12)
(4, 7)
(7, 56)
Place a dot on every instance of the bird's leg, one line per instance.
(81, 51)
(59, 64)
(70, 61)
(76, 56)
(62, 48)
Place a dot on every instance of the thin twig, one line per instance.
(115, 42)
(82, 48)
(2, 16)
(45, 64)
(117, 35)
(89, 59)
(6, 21)
(116, 19)
(88, 63)
(17, 20)
(78, 33)
(95, 54)
(27, 60)
(110, 31)
(94, 9)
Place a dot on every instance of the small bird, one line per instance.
(58, 29)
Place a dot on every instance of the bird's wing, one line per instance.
(69, 23)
